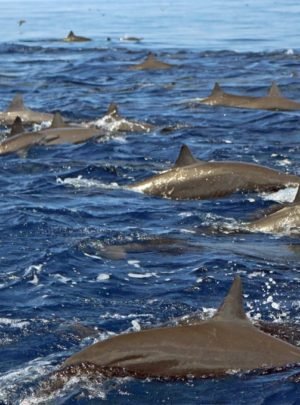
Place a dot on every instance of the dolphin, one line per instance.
(272, 101)
(57, 134)
(287, 331)
(285, 219)
(20, 142)
(75, 38)
(131, 39)
(157, 244)
(151, 63)
(17, 109)
(219, 97)
(228, 341)
(191, 178)
(116, 123)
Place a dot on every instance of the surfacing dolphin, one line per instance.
(17, 109)
(191, 178)
(284, 220)
(57, 134)
(151, 63)
(228, 341)
(273, 101)
(219, 97)
(114, 122)
(75, 38)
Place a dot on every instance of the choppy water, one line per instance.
(61, 205)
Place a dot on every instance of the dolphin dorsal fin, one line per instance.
(274, 91)
(217, 91)
(17, 103)
(232, 307)
(185, 157)
(297, 198)
(151, 57)
(57, 121)
(112, 109)
(17, 127)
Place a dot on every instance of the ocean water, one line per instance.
(78, 261)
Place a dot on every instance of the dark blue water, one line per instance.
(60, 205)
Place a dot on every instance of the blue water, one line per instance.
(60, 204)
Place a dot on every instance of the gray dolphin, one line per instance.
(191, 178)
(17, 109)
(273, 101)
(219, 97)
(157, 244)
(151, 63)
(71, 37)
(228, 341)
(114, 122)
(58, 133)
(283, 220)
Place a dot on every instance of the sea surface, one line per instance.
(82, 257)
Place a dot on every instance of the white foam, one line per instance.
(103, 277)
(140, 275)
(290, 51)
(136, 325)
(14, 323)
(285, 195)
(80, 182)
(62, 279)
(93, 256)
(134, 263)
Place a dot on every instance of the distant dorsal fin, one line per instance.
(112, 109)
(297, 198)
(217, 91)
(151, 56)
(232, 307)
(57, 121)
(17, 127)
(185, 157)
(17, 103)
(274, 91)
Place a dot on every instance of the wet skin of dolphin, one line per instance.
(58, 133)
(75, 38)
(228, 341)
(273, 101)
(114, 122)
(151, 63)
(285, 219)
(191, 178)
(18, 109)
